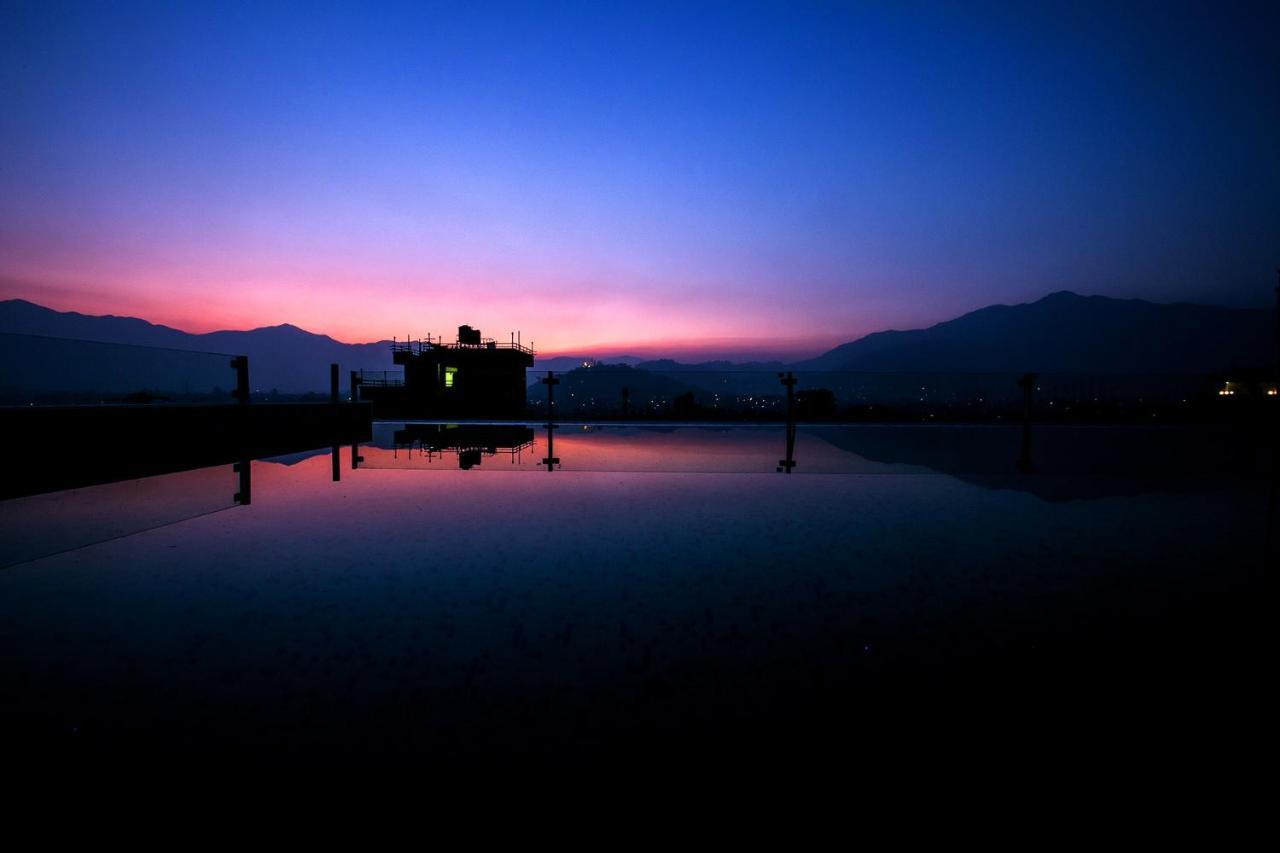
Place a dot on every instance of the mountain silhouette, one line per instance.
(285, 358)
(588, 390)
(1061, 333)
(1068, 333)
(670, 366)
(560, 363)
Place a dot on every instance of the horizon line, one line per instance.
(718, 348)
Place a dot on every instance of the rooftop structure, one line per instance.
(473, 377)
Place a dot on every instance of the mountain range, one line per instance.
(282, 357)
(1063, 332)
(1068, 333)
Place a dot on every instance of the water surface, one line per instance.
(658, 589)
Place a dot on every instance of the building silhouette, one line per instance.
(473, 377)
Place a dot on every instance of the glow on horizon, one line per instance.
(693, 180)
(582, 324)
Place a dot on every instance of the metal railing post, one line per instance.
(240, 364)
(1028, 384)
(550, 381)
(788, 379)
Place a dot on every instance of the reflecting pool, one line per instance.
(589, 592)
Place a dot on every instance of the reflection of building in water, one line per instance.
(471, 442)
(473, 377)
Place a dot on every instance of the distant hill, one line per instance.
(560, 363)
(587, 390)
(285, 358)
(1068, 333)
(1063, 332)
(669, 366)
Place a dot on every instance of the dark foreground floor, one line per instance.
(659, 620)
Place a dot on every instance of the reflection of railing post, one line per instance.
(550, 381)
(333, 383)
(551, 460)
(240, 364)
(788, 379)
(336, 455)
(242, 468)
(785, 465)
(356, 458)
(1024, 457)
(1273, 528)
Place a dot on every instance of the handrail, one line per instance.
(487, 343)
(381, 378)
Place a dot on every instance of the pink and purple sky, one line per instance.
(686, 179)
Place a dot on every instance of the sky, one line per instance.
(720, 179)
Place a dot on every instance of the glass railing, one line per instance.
(37, 370)
(41, 525)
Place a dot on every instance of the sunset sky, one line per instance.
(718, 178)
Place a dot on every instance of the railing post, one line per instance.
(240, 364)
(788, 379)
(550, 381)
(1027, 383)
(355, 382)
(333, 383)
